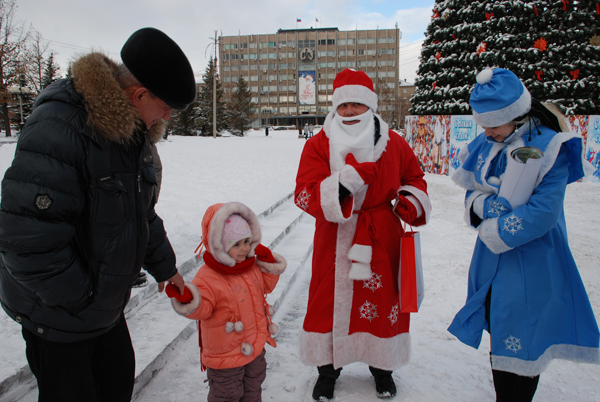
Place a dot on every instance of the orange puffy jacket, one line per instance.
(232, 309)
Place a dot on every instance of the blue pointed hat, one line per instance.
(498, 98)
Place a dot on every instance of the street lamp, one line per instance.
(20, 90)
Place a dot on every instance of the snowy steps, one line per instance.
(156, 330)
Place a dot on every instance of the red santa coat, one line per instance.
(347, 320)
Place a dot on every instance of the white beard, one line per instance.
(357, 139)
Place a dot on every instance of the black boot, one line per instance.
(511, 387)
(323, 391)
(385, 388)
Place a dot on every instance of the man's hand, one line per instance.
(406, 210)
(177, 280)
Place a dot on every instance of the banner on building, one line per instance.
(463, 130)
(306, 88)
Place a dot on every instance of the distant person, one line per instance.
(266, 131)
(310, 130)
(524, 287)
(228, 297)
(77, 215)
(349, 174)
(306, 130)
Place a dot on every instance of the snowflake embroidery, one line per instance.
(480, 161)
(496, 207)
(394, 314)
(374, 283)
(513, 224)
(368, 311)
(302, 199)
(513, 344)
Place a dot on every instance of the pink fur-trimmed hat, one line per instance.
(354, 86)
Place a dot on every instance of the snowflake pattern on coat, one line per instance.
(374, 283)
(368, 311)
(496, 208)
(513, 224)
(302, 199)
(480, 161)
(513, 344)
(394, 314)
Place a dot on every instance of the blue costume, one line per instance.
(538, 309)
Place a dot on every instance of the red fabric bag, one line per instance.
(410, 277)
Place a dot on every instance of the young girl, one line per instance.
(227, 296)
(524, 286)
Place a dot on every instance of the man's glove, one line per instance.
(495, 206)
(354, 176)
(405, 209)
(366, 170)
(173, 292)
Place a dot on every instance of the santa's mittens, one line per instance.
(264, 254)
(173, 292)
(185, 308)
(405, 209)
(366, 170)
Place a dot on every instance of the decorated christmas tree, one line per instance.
(553, 46)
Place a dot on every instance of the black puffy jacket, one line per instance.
(77, 216)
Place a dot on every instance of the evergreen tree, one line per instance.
(50, 71)
(551, 45)
(239, 108)
(205, 112)
(185, 122)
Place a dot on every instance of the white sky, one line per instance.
(75, 26)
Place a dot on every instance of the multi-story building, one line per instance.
(290, 73)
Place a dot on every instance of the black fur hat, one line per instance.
(160, 65)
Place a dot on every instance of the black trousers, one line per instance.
(101, 369)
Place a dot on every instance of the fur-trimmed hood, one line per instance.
(110, 113)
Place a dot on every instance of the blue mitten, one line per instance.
(495, 206)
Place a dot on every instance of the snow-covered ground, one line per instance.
(258, 171)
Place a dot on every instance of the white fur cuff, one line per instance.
(360, 271)
(360, 253)
(186, 309)
(350, 179)
(275, 268)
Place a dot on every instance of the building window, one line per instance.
(262, 45)
(351, 41)
(244, 67)
(291, 43)
(272, 77)
(252, 56)
(254, 100)
(361, 52)
(391, 39)
(283, 110)
(351, 64)
(272, 55)
(326, 42)
(322, 53)
(273, 88)
(371, 52)
(293, 110)
(341, 64)
(243, 45)
(387, 51)
(341, 42)
(252, 45)
(253, 67)
(362, 41)
(263, 56)
(282, 43)
(234, 68)
(272, 44)
(371, 74)
(382, 39)
(282, 66)
(371, 40)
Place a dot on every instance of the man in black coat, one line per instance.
(77, 219)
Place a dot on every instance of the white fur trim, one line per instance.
(216, 231)
(360, 271)
(489, 234)
(355, 94)
(579, 354)
(360, 253)
(317, 349)
(475, 201)
(330, 199)
(421, 196)
(496, 118)
(275, 268)
(186, 309)
(350, 179)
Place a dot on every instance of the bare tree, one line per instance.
(388, 106)
(13, 36)
(37, 60)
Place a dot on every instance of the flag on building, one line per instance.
(316, 19)
(298, 20)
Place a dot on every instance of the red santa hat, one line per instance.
(354, 86)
